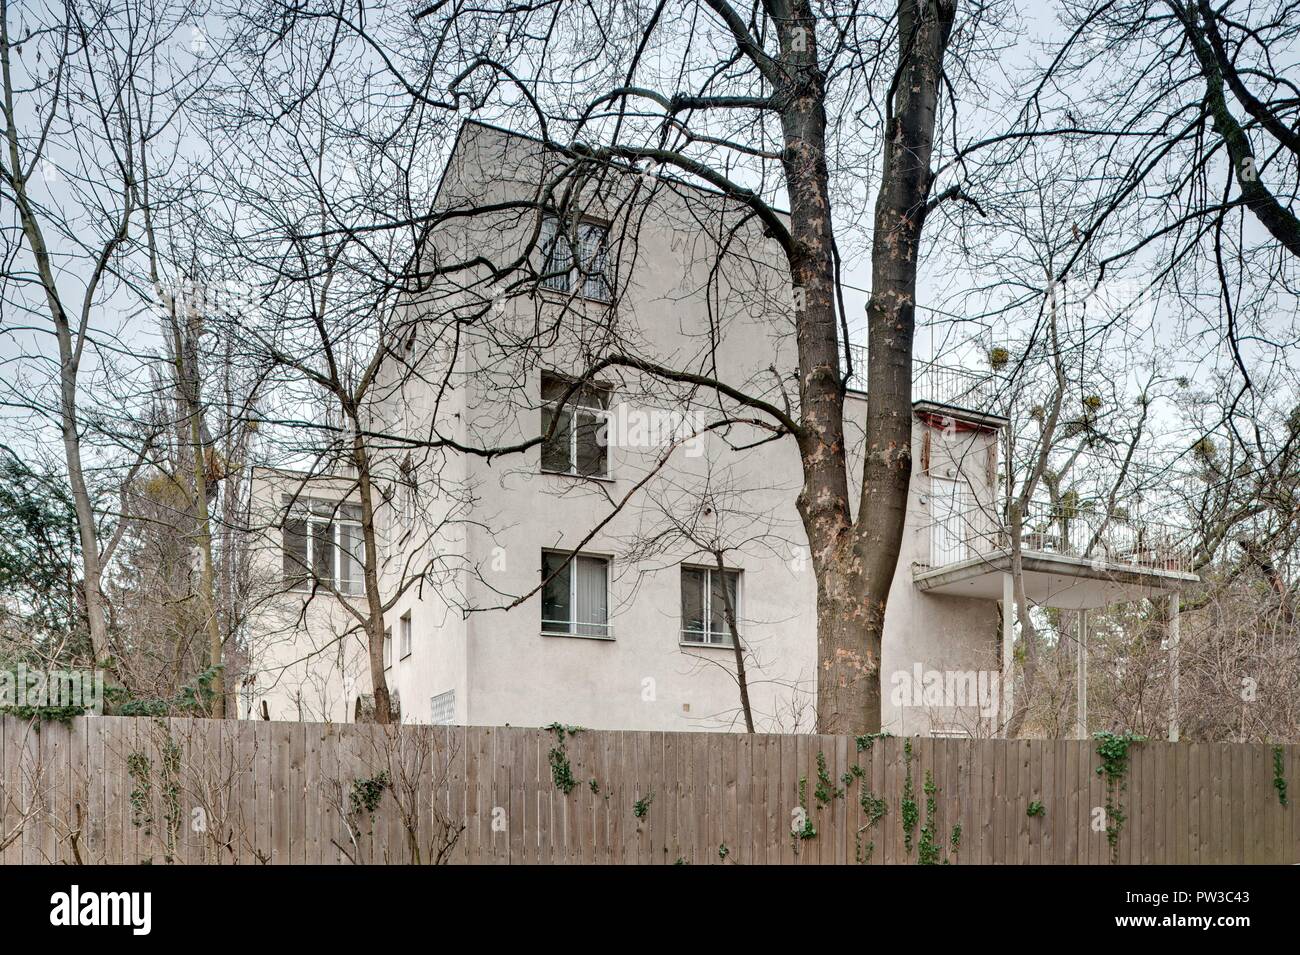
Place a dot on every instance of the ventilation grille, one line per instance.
(443, 709)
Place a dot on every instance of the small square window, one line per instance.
(575, 433)
(575, 257)
(323, 544)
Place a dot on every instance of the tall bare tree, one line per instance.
(86, 91)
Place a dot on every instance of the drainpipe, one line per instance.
(1008, 656)
(1081, 699)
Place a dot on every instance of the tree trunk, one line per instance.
(845, 667)
(69, 363)
(88, 537)
(1028, 634)
(870, 563)
(848, 631)
(729, 611)
(370, 563)
(185, 362)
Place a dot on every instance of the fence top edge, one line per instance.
(819, 738)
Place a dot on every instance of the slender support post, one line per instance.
(1008, 648)
(1081, 675)
(1173, 667)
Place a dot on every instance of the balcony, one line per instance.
(986, 392)
(1074, 559)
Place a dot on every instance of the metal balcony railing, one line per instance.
(982, 391)
(962, 529)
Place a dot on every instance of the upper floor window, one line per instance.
(575, 258)
(575, 596)
(405, 624)
(575, 439)
(323, 542)
(388, 648)
(704, 604)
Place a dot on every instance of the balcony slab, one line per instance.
(1052, 580)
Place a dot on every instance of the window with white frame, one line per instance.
(575, 595)
(405, 627)
(575, 257)
(323, 542)
(575, 433)
(408, 490)
(388, 647)
(704, 605)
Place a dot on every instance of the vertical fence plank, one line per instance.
(1211, 831)
(96, 791)
(1044, 824)
(497, 781)
(1200, 804)
(278, 784)
(729, 801)
(658, 769)
(79, 784)
(312, 765)
(767, 767)
(1093, 789)
(1165, 806)
(1240, 798)
(518, 741)
(671, 839)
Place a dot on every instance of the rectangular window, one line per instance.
(578, 441)
(323, 542)
(351, 547)
(575, 258)
(704, 605)
(406, 635)
(322, 550)
(388, 648)
(297, 569)
(575, 598)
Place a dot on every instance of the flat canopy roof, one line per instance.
(1053, 580)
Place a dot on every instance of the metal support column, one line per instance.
(1173, 667)
(1081, 674)
(1008, 648)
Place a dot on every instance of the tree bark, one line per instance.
(374, 604)
(849, 696)
(186, 371)
(1028, 633)
(845, 668)
(729, 611)
(855, 562)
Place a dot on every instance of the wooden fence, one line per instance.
(113, 789)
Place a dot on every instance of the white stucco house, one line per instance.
(577, 580)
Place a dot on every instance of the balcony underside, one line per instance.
(1052, 580)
